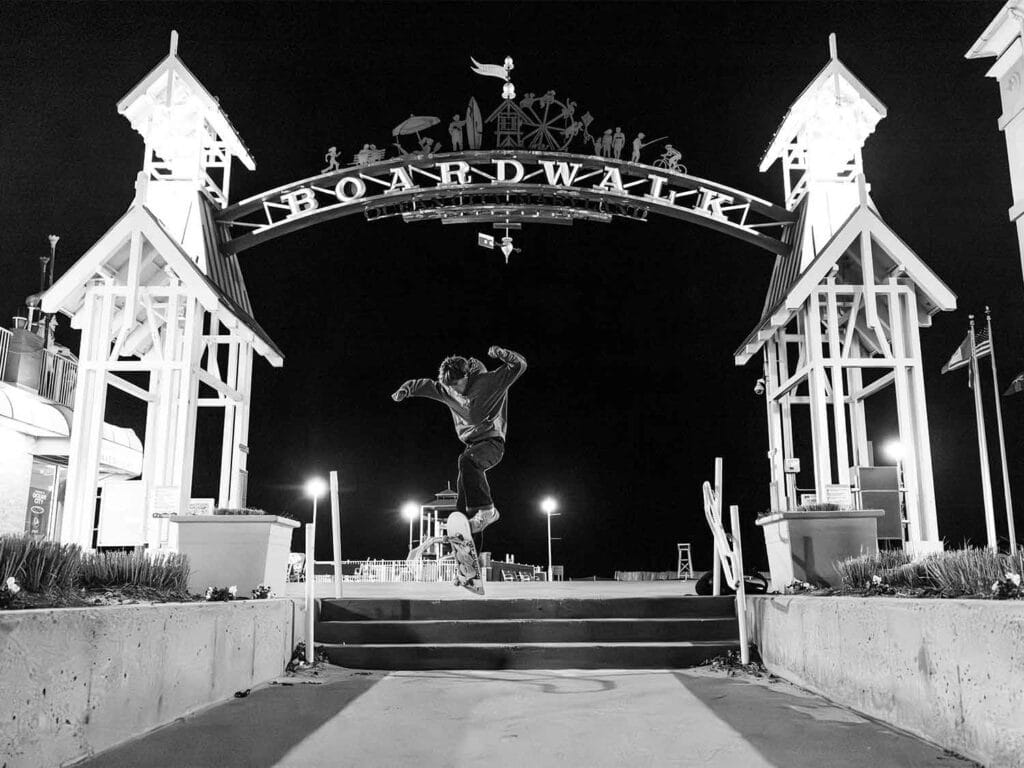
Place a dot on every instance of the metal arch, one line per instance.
(266, 216)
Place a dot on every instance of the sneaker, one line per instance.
(482, 519)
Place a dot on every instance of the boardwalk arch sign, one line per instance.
(840, 321)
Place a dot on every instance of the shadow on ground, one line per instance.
(819, 732)
(257, 730)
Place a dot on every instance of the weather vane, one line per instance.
(502, 72)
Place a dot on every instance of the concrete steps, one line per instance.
(652, 633)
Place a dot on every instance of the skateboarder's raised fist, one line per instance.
(497, 352)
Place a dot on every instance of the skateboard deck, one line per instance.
(467, 573)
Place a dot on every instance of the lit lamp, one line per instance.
(894, 450)
(315, 488)
(548, 507)
(410, 511)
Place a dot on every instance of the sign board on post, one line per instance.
(839, 494)
(792, 466)
(200, 507)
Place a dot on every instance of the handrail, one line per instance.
(5, 343)
(731, 557)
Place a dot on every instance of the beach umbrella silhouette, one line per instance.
(413, 125)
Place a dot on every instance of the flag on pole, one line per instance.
(1017, 385)
(962, 355)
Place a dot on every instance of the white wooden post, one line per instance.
(904, 414)
(927, 519)
(818, 396)
(838, 398)
(741, 592)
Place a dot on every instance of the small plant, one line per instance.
(816, 506)
(220, 594)
(878, 586)
(8, 591)
(796, 587)
(262, 592)
(1008, 588)
(238, 511)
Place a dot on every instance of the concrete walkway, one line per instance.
(526, 719)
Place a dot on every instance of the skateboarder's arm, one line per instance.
(418, 388)
(514, 366)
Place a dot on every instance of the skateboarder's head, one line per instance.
(454, 373)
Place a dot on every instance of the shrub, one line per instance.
(858, 572)
(969, 571)
(238, 511)
(13, 551)
(167, 572)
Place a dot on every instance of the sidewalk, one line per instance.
(526, 719)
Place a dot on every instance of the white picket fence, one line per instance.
(382, 571)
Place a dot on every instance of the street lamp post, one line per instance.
(410, 511)
(548, 507)
(315, 488)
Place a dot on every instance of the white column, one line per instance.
(838, 399)
(87, 419)
(904, 413)
(922, 440)
(240, 436)
(775, 446)
(858, 423)
(818, 396)
(786, 413)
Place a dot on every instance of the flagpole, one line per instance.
(986, 478)
(1002, 439)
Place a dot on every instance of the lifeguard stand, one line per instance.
(431, 523)
(684, 570)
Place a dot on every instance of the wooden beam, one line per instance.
(131, 389)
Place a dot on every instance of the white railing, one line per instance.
(730, 551)
(58, 376)
(5, 343)
(384, 571)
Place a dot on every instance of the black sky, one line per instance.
(629, 328)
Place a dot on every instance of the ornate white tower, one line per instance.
(155, 298)
(841, 318)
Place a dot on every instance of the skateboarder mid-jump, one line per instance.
(478, 400)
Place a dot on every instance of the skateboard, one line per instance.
(467, 572)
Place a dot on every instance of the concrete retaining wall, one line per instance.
(951, 671)
(76, 681)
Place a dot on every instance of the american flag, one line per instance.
(962, 355)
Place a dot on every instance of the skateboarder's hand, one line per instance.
(497, 352)
(401, 393)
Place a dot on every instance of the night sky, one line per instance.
(628, 327)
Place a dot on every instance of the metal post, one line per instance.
(549, 546)
(716, 571)
(336, 532)
(741, 592)
(310, 601)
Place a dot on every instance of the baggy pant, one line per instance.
(474, 461)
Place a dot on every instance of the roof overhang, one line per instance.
(935, 295)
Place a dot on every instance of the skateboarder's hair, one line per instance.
(452, 369)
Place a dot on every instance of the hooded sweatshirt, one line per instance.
(482, 412)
